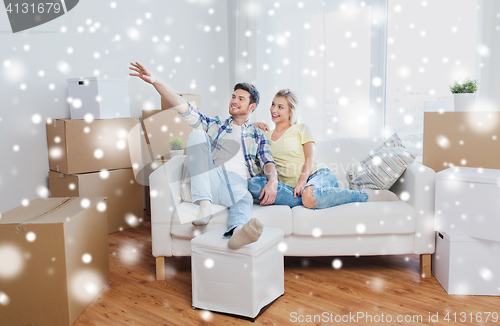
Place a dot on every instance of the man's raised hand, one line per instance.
(141, 72)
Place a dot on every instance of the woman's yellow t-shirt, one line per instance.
(288, 153)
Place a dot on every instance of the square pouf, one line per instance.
(239, 282)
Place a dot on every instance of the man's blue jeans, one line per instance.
(216, 184)
(326, 191)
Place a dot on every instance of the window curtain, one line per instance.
(488, 54)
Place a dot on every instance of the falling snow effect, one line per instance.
(206, 316)
(405, 89)
(337, 263)
(85, 285)
(12, 261)
(87, 258)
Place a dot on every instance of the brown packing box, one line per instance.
(157, 147)
(54, 260)
(461, 139)
(124, 195)
(160, 126)
(193, 99)
(165, 125)
(77, 146)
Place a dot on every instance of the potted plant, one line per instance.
(464, 94)
(176, 146)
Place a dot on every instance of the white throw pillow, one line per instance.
(383, 167)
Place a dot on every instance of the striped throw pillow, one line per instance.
(383, 167)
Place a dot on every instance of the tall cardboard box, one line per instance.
(162, 125)
(78, 146)
(159, 127)
(53, 260)
(124, 194)
(193, 99)
(469, 139)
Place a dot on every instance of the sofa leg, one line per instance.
(425, 266)
(160, 268)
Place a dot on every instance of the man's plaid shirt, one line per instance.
(256, 146)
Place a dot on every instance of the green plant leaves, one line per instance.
(468, 86)
(176, 143)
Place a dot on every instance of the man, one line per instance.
(223, 154)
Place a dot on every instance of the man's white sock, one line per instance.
(205, 213)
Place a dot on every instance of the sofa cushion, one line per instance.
(355, 218)
(190, 211)
(340, 154)
(274, 216)
(278, 216)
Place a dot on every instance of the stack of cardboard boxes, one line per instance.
(464, 149)
(90, 157)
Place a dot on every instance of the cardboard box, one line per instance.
(53, 260)
(461, 139)
(124, 194)
(102, 98)
(468, 202)
(77, 146)
(193, 99)
(466, 265)
(160, 126)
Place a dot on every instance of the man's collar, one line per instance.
(246, 124)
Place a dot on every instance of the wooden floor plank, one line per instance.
(388, 285)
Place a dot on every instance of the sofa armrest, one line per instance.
(165, 197)
(417, 187)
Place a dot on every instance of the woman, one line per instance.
(301, 180)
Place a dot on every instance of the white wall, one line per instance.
(23, 173)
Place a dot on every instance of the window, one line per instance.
(430, 44)
(331, 53)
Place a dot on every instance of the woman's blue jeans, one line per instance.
(326, 191)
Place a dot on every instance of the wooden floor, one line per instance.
(388, 285)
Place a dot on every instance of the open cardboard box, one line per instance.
(54, 260)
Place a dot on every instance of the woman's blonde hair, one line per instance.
(292, 100)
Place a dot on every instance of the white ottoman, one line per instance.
(239, 282)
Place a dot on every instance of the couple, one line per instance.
(215, 179)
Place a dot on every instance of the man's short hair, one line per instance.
(254, 93)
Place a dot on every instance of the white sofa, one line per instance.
(371, 228)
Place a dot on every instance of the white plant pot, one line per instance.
(464, 102)
(175, 152)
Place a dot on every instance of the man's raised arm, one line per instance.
(173, 99)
